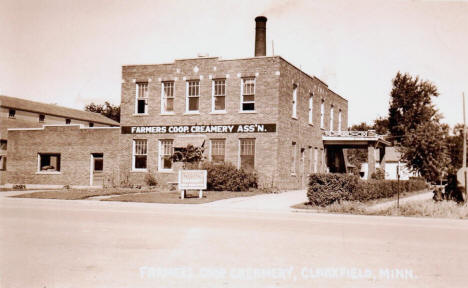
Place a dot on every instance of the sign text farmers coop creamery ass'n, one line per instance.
(187, 129)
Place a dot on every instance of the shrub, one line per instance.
(150, 179)
(325, 189)
(19, 187)
(226, 177)
(379, 174)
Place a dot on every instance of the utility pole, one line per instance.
(464, 146)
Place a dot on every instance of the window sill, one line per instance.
(248, 112)
(295, 118)
(219, 112)
(140, 114)
(139, 170)
(167, 113)
(192, 113)
(166, 171)
(310, 124)
(48, 173)
(293, 174)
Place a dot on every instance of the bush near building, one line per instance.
(325, 189)
(226, 177)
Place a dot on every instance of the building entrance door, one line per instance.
(96, 168)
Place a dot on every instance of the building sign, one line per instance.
(192, 179)
(188, 129)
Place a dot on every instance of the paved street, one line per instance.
(55, 243)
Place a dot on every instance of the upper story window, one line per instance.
(311, 108)
(167, 97)
(193, 96)
(339, 120)
(248, 94)
(11, 113)
(294, 102)
(331, 118)
(219, 95)
(141, 102)
(91, 124)
(140, 154)
(68, 121)
(41, 118)
(322, 112)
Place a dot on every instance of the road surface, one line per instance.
(59, 243)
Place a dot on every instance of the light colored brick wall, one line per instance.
(75, 146)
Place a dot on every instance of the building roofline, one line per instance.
(80, 126)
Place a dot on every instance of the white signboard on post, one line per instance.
(192, 180)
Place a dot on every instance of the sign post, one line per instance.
(192, 180)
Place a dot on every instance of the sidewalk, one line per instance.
(279, 201)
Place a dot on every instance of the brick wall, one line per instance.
(74, 144)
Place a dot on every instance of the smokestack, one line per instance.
(260, 36)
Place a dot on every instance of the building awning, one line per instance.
(182, 142)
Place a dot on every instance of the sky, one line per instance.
(71, 52)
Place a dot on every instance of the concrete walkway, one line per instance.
(279, 201)
(385, 205)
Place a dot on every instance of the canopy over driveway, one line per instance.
(335, 141)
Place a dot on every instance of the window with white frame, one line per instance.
(141, 102)
(140, 154)
(193, 96)
(165, 153)
(247, 154)
(323, 164)
(322, 110)
(167, 97)
(2, 162)
(11, 113)
(294, 102)
(48, 162)
(41, 118)
(331, 118)
(219, 95)
(311, 108)
(315, 159)
(218, 150)
(311, 160)
(248, 94)
(293, 158)
(339, 120)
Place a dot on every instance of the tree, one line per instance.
(415, 124)
(455, 149)
(410, 105)
(106, 109)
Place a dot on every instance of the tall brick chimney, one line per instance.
(260, 36)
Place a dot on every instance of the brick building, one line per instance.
(260, 113)
(21, 113)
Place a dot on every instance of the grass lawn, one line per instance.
(174, 197)
(79, 194)
(424, 208)
(138, 195)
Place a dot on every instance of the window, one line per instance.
(294, 102)
(141, 98)
(315, 159)
(311, 108)
(218, 150)
(11, 113)
(248, 94)
(331, 118)
(247, 154)
(2, 162)
(98, 162)
(140, 154)
(49, 162)
(67, 121)
(293, 159)
(41, 118)
(165, 152)
(193, 96)
(339, 120)
(311, 160)
(322, 110)
(3, 145)
(219, 95)
(322, 163)
(91, 124)
(167, 97)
